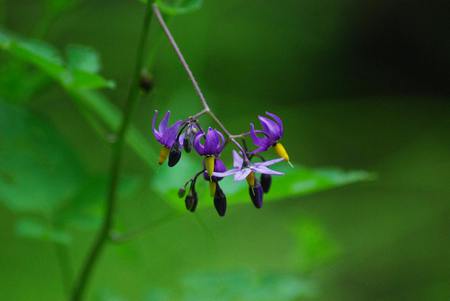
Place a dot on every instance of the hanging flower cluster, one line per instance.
(209, 144)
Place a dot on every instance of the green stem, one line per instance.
(103, 235)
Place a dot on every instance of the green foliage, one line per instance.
(296, 182)
(79, 78)
(237, 285)
(30, 228)
(177, 7)
(80, 72)
(38, 170)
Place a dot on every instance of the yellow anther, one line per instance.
(212, 188)
(209, 164)
(281, 151)
(251, 179)
(163, 155)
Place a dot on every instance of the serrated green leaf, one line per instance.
(34, 229)
(296, 182)
(178, 7)
(38, 170)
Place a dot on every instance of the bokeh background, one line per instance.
(360, 85)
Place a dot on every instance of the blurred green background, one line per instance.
(360, 85)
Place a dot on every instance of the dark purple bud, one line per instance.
(191, 199)
(181, 192)
(266, 182)
(256, 194)
(187, 144)
(220, 201)
(174, 155)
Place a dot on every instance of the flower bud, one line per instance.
(187, 145)
(266, 182)
(191, 199)
(220, 201)
(256, 194)
(146, 82)
(181, 192)
(174, 155)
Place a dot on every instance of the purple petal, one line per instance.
(219, 166)
(242, 174)
(256, 140)
(271, 128)
(170, 134)
(265, 170)
(271, 162)
(164, 122)
(155, 132)
(278, 120)
(237, 160)
(199, 147)
(226, 173)
(211, 141)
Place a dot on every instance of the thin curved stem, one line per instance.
(103, 235)
(191, 76)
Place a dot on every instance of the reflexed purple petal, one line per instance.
(170, 134)
(242, 174)
(278, 120)
(164, 122)
(199, 147)
(237, 160)
(211, 141)
(271, 128)
(265, 170)
(155, 132)
(256, 140)
(221, 143)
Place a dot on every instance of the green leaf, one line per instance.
(245, 285)
(92, 102)
(178, 7)
(34, 229)
(38, 170)
(83, 58)
(78, 73)
(296, 182)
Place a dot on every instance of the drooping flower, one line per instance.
(165, 135)
(273, 131)
(211, 148)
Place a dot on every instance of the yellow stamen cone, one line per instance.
(163, 155)
(212, 188)
(281, 152)
(251, 179)
(209, 164)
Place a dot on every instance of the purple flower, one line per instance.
(166, 135)
(214, 143)
(272, 130)
(242, 171)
